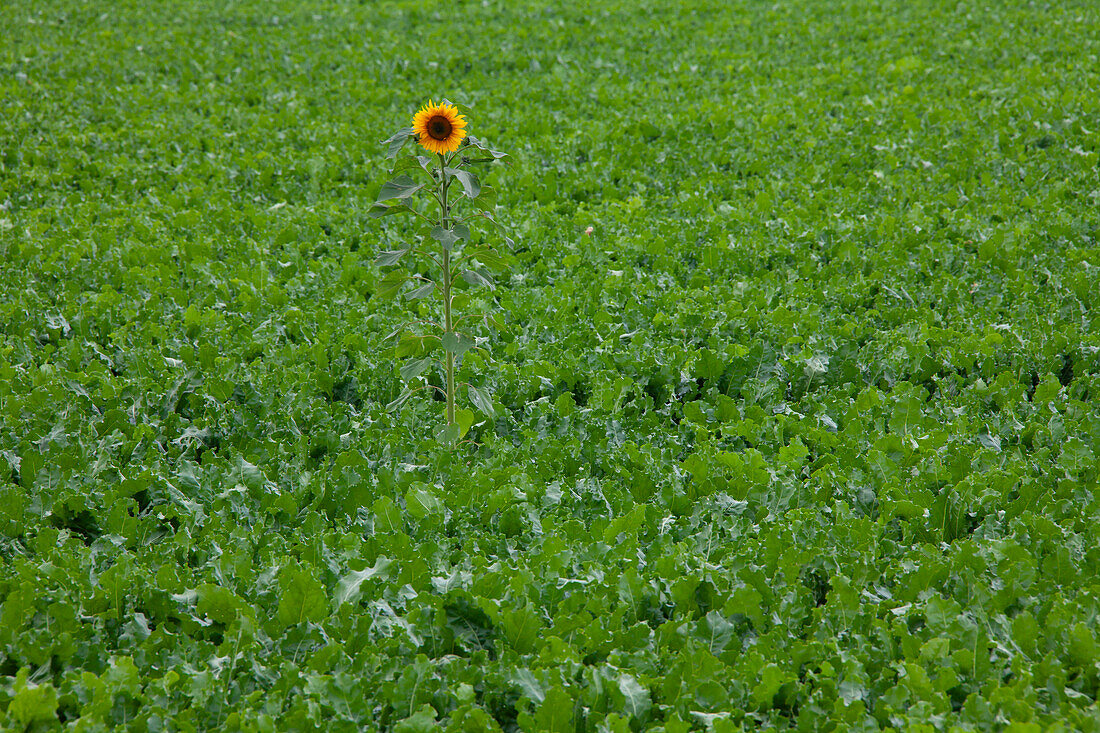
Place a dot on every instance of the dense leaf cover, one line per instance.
(804, 434)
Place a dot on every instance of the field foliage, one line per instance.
(803, 435)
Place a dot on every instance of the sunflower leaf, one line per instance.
(397, 141)
(492, 259)
(414, 368)
(482, 400)
(446, 237)
(457, 342)
(487, 199)
(507, 240)
(476, 278)
(413, 345)
(378, 210)
(422, 292)
(483, 147)
(391, 283)
(391, 257)
(471, 186)
(401, 187)
(448, 435)
(404, 163)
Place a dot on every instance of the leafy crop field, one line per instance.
(803, 435)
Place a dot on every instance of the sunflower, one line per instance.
(439, 127)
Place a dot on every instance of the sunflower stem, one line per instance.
(448, 325)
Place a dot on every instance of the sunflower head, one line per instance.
(439, 128)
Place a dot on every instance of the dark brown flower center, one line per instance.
(439, 127)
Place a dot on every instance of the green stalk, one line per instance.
(447, 324)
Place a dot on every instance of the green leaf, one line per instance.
(391, 257)
(378, 210)
(389, 285)
(521, 627)
(637, 702)
(401, 187)
(448, 434)
(400, 400)
(217, 603)
(772, 678)
(421, 503)
(32, 703)
(476, 278)
(481, 399)
(397, 141)
(1076, 455)
(716, 632)
(387, 517)
(415, 368)
(422, 721)
(421, 292)
(348, 587)
(301, 597)
(413, 345)
(491, 259)
(465, 420)
(481, 146)
(457, 342)
(554, 715)
(486, 200)
(471, 186)
(448, 237)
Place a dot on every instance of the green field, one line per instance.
(804, 435)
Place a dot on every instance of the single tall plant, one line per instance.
(444, 179)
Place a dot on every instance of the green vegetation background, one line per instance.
(804, 435)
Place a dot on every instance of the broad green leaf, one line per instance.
(423, 291)
(446, 237)
(413, 345)
(401, 187)
(217, 603)
(772, 678)
(422, 721)
(486, 200)
(715, 631)
(348, 588)
(389, 285)
(471, 186)
(465, 420)
(387, 517)
(397, 141)
(481, 399)
(529, 685)
(32, 704)
(554, 714)
(457, 342)
(391, 257)
(480, 145)
(415, 368)
(521, 627)
(448, 434)
(400, 400)
(637, 702)
(492, 259)
(378, 210)
(476, 278)
(422, 503)
(301, 597)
